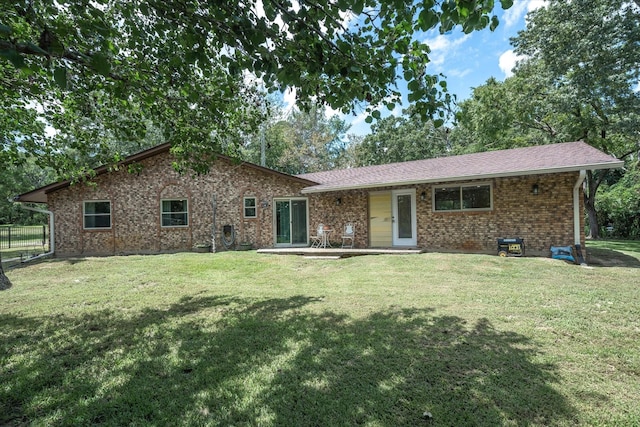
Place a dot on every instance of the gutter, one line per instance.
(576, 216)
(52, 239)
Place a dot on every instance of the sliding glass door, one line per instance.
(290, 222)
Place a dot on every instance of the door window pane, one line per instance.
(405, 228)
(283, 222)
(299, 221)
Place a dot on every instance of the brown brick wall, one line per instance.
(542, 220)
(135, 208)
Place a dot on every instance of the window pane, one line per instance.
(174, 219)
(97, 208)
(97, 214)
(174, 206)
(250, 207)
(477, 197)
(447, 199)
(174, 213)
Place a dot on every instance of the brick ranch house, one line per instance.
(457, 203)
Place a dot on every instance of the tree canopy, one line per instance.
(78, 73)
(301, 142)
(578, 80)
(403, 138)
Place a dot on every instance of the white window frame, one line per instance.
(254, 207)
(185, 212)
(85, 215)
(461, 187)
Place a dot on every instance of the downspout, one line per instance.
(577, 215)
(52, 238)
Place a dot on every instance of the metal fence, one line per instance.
(24, 236)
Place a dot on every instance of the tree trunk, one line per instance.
(593, 182)
(594, 227)
(5, 283)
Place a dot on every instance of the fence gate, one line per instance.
(33, 237)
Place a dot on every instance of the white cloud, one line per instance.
(457, 73)
(512, 15)
(508, 61)
(289, 99)
(520, 7)
(442, 45)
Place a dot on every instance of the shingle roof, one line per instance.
(553, 158)
(39, 195)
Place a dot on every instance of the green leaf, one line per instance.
(427, 19)
(101, 64)
(413, 85)
(37, 48)
(60, 77)
(494, 23)
(13, 56)
(506, 4)
(358, 7)
(5, 30)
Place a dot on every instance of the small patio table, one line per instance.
(325, 237)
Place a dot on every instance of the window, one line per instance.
(462, 198)
(175, 213)
(250, 210)
(97, 214)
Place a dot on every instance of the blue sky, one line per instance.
(467, 60)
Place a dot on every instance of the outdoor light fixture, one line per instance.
(264, 204)
(535, 189)
(338, 201)
(423, 196)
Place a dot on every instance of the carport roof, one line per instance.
(541, 159)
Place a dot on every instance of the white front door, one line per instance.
(404, 217)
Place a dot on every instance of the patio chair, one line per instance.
(316, 241)
(347, 236)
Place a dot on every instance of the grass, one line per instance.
(245, 339)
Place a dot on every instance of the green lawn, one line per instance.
(246, 339)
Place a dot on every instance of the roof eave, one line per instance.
(592, 166)
(39, 195)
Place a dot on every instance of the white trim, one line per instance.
(84, 214)
(444, 179)
(395, 239)
(576, 207)
(461, 186)
(162, 212)
(274, 222)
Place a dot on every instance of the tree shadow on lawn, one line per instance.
(228, 361)
(602, 257)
